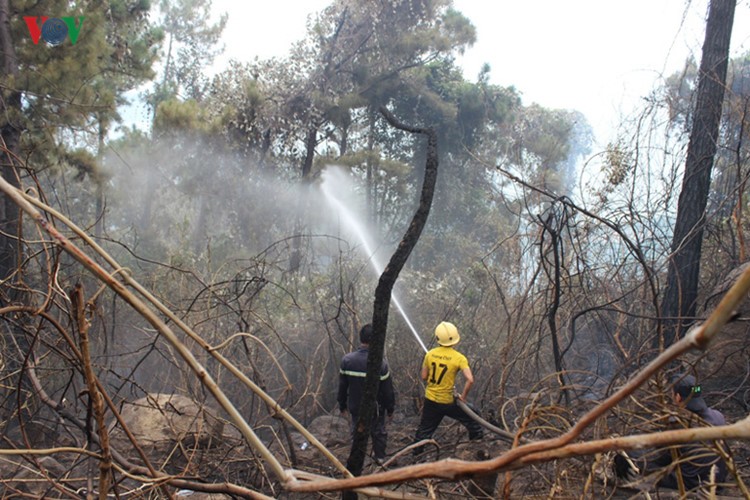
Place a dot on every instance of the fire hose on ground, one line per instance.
(503, 434)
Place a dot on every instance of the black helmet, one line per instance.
(686, 386)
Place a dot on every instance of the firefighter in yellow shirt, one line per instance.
(439, 370)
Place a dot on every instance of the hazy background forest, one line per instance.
(261, 202)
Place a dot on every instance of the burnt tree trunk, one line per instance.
(679, 300)
(10, 129)
(295, 258)
(10, 227)
(553, 225)
(383, 293)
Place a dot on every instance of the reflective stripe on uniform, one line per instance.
(361, 374)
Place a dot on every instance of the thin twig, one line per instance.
(105, 465)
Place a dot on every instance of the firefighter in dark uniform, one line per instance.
(695, 465)
(351, 383)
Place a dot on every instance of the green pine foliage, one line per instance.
(70, 92)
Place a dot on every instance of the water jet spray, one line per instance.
(334, 179)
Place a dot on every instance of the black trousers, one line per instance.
(377, 432)
(433, 413)
(694, 476)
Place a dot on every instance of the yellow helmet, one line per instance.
(447, 334)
